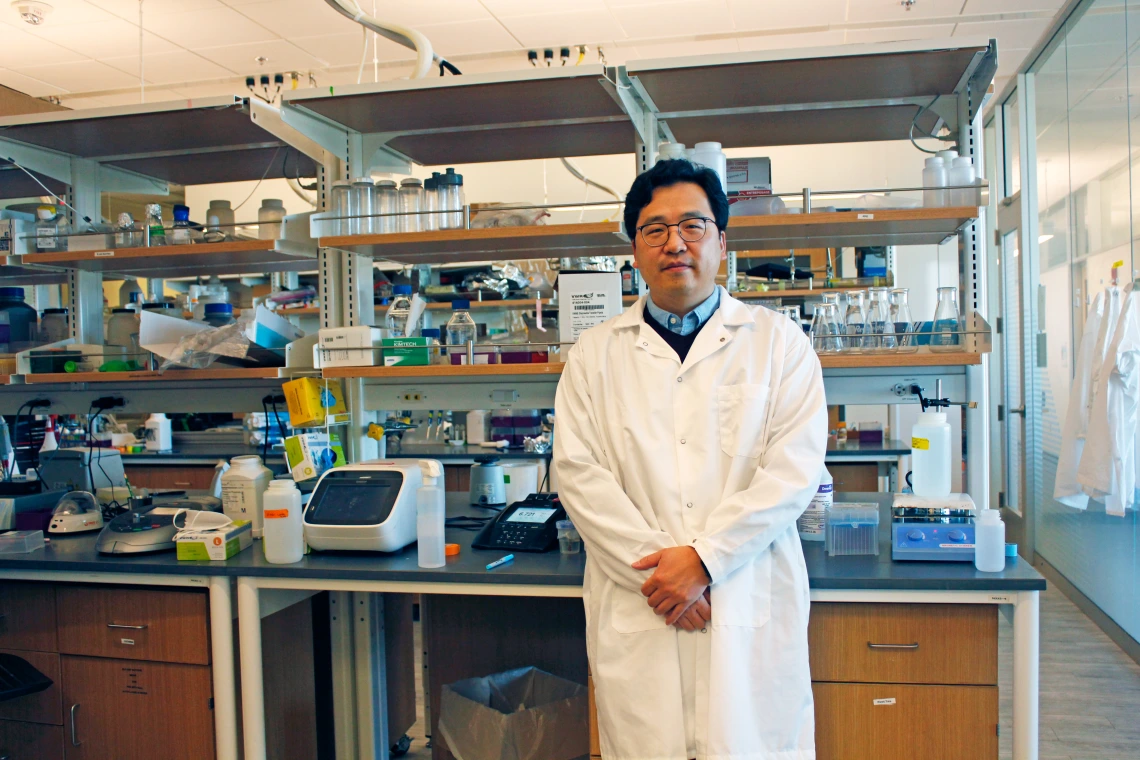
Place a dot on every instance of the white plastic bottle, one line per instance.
(933, 176)
(989, 542)
(811, 522)
(961, 172)
(710, 154)
(282, 538)
(158, 435)
(930, 456)
(243, 489)
(430, 515)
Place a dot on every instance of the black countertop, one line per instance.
(199, 453)
(77, 554)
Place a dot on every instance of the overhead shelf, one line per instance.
(832, 229)
(13, 273)
(149, 376)
(236, 257)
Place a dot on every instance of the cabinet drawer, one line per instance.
(190, 477)
(138, 624)
(43, 706)
(131, 710)
(903, 643)
(27, 616)
(856, 721)
(30, 741)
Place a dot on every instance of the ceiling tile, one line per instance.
(153, 95)
(87, 76)
(212, 27)
(1021, 34)
(508, 8)
(790, 41)
(167, 68)
(767, 14)
(346, 49)
(298, 18)
(900, 33)
(469, 38)
(212, 89)
(675, 19)
(565, 28)
(422, 12)
(18, 48)
(282, 55)
(129, 9)
(1006, 6)
(63, 13)
(104, 39)
(28, 85)
(893, 10)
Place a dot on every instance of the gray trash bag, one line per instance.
(523, 714)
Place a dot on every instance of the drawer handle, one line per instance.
(891, 646)
(143, 627)
(178, 483)
(74, 736)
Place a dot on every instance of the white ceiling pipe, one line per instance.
(409, 38)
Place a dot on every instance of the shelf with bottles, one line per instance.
(155, 376)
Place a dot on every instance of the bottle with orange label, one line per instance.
(282, 537)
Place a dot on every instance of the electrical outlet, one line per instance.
(412, 396)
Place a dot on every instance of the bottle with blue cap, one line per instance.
(460, 331)
(180, 234)
(218, 314)
(398, 313)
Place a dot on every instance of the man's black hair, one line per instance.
(671, 172)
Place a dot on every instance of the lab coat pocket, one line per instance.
(744, 598)
(630, 612)
(742, 411)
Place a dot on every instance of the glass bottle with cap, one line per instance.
(48, 230)
(155, 232)
(360, 204)
(123, 330)
(218, 314)
(460, 331)
(411, 204)
(386, 204)
(340, 206)
(126, 235)
(180, 234)
(20, 319)
(451, 200)
(54, 326)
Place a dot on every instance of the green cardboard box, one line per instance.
(406, 352)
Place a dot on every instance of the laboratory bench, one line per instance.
(934, 626)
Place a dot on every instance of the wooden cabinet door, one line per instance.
(189, 477)
(856, 721)
(43, 706)
(30, 741)
(132, 710)
(27, 616)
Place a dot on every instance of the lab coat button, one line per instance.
(722, 341)
(678, 379)
(689, 505)
(682, 440)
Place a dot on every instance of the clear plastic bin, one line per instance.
(852, 529)
(21, 541)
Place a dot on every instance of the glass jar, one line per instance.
(123, 330)
(855, 319)
(340, 207)
(947, 322)
(386, 202)
(54, 326)
(411, 204)
(361, 206)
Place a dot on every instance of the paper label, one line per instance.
(881, 702)
(956, 546)
(276, 514)
(864, 216)
(100, 254)
(922, 444)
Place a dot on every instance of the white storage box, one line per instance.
(349, 346)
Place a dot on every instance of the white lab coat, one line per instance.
(722, 453)
(1066, 488)
(1108, 462)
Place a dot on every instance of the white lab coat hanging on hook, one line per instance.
(1066, 488)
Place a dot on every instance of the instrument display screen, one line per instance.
(531, 515)
(355, 498)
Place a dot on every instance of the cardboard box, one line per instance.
(406, 352)
(314, 402)
(349, 346)
(747, 177)
(311, 454)
(586, 299)
(215, 545)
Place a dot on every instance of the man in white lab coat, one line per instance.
(690, 435)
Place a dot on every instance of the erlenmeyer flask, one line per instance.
(879, 322)
(826, 330)
(947, 322)
(900, 315)
(855, 320)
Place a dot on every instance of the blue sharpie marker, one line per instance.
(502, 561)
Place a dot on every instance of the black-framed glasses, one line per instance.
(690, 230)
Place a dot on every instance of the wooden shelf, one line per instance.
(234, 257)
(549, 369)
(920, 359)
(229, 373)
(833, 229)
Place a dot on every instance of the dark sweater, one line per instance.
(679, 343)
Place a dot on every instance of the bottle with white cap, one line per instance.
(989, 542)
(710, 154)
(282, 537)
(933, 177)
(430, 516)
(961, 172)
(158, 433)
(930, 456)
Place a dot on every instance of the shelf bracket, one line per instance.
(272, 121)
(40, 160)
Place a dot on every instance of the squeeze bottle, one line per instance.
(282, 534)
(430, 516)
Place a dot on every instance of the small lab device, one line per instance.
(370, 506)
(939, 530)
(530, 525)
(77, 512)
(488, 482)
(83, 468)
(152, 528)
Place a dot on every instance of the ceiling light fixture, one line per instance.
(32, 11)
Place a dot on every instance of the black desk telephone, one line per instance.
(529, 525)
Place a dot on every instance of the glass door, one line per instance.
(1012, 352)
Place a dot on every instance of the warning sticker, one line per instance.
(922, 444)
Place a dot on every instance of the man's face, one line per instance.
(679, 270)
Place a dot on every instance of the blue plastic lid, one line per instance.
(402, 290)
(12, 293)
(460, 305)
(219, 308)
(430, 332)
(181, 213)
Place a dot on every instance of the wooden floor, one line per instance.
(1090, 690)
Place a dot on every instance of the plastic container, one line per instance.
(19, 322)
(165, 308)
(269, 218)
(54, 326)
(217, 314)
(158, 434)
(852, 529)
(155, 231)
(123, 330)
(710, 154)
(340, 207)
(930, 456)
(569, 542)
(223, 212)
(48, 229)
(933, 177)
(460, 331)
(435, 352)
(451, 199)
(431, 220)
(961, 172)
(989, 542)
(243, 489)
(430, 517)
(21, 541)
(386, 201)
(396, 320)
(411, 204)
(362, 201)
(811, 524)
(181, 233)
(283, 534)
(668, 151)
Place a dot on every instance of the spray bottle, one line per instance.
(430, 514)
